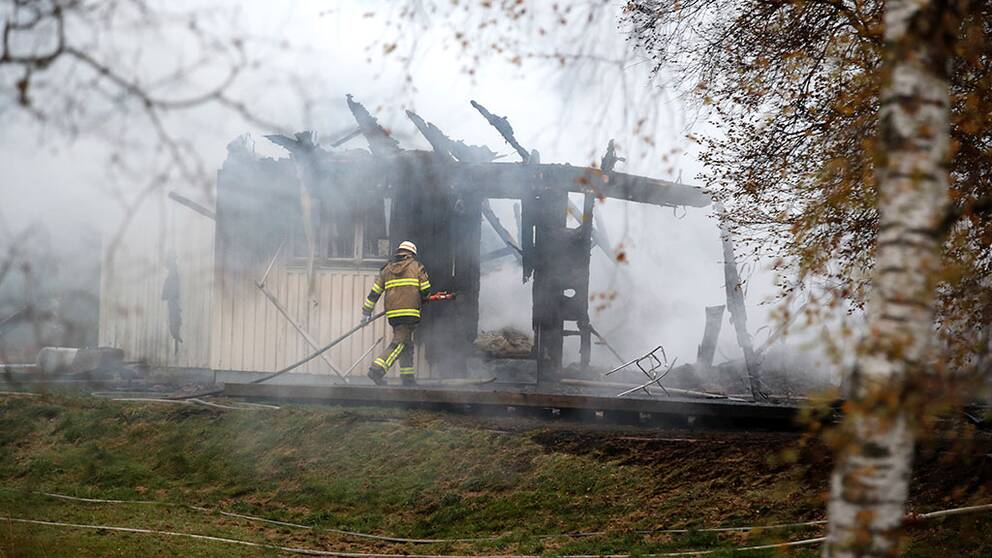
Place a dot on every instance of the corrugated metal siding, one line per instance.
(252, 335)
(133, 315)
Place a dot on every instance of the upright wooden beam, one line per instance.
(711, 333)
(302, 150)
(581, 297)
(735, 304)
(456, 232)
(557, 256)
(550, 268)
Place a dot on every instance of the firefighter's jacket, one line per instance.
(404, 284)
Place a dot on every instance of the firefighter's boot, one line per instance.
(377, 375)
(408, 379)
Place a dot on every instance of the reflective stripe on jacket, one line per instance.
(404, 284)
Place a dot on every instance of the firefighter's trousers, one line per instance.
(401, 348)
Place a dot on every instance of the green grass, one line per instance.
(408, 474)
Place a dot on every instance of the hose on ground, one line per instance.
(742, 528)
(316, 552)
(262, 519)
(194, 401)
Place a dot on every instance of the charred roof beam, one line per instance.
(447, 148)
(509, 180)
(502, 126)
(441, 143)
(380, 142)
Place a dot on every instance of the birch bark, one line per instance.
(870, 483)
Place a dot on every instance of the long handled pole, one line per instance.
(365, 354)
(320, 351)
(299, 328)
(297, 364)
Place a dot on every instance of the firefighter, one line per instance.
(405, 284)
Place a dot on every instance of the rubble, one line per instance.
(507, 342)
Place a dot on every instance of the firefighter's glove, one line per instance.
(366, 318)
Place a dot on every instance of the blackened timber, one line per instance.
(736, 307)
(438, 141)
(380, 142)
(496, 180)
(469, 153)
(447, 223)
(610, 158)
(779, 414)
(347, 137)
(455, 234)
(512, 180)
(550, 262)
(580, 297)
(606, 165)
(504, 235)
(711, 332)
(183, 200)
(302, 149)
(560, 261)
(502, 126)
(444, 144)
(499, 253)
(466, 230)
(599, 238)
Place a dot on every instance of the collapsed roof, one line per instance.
(438, 199)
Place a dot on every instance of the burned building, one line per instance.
(281, 265)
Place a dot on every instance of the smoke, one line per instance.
(656, 294)
(671, 268)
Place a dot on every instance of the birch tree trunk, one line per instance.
(871, 479)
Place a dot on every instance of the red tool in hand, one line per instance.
(439, 296)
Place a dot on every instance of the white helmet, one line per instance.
(408, 246)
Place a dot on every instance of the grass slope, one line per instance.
(423, 475)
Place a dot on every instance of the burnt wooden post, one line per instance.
(582, 293)
(424, 212)
(549, 261)
(556, 256)
(445, 223)
(449, 218)
(559, 258)
(466, 244)
(711, 332)
(447, 227)
(303, 152)
(735, 304)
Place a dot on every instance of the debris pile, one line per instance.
(507, 342)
